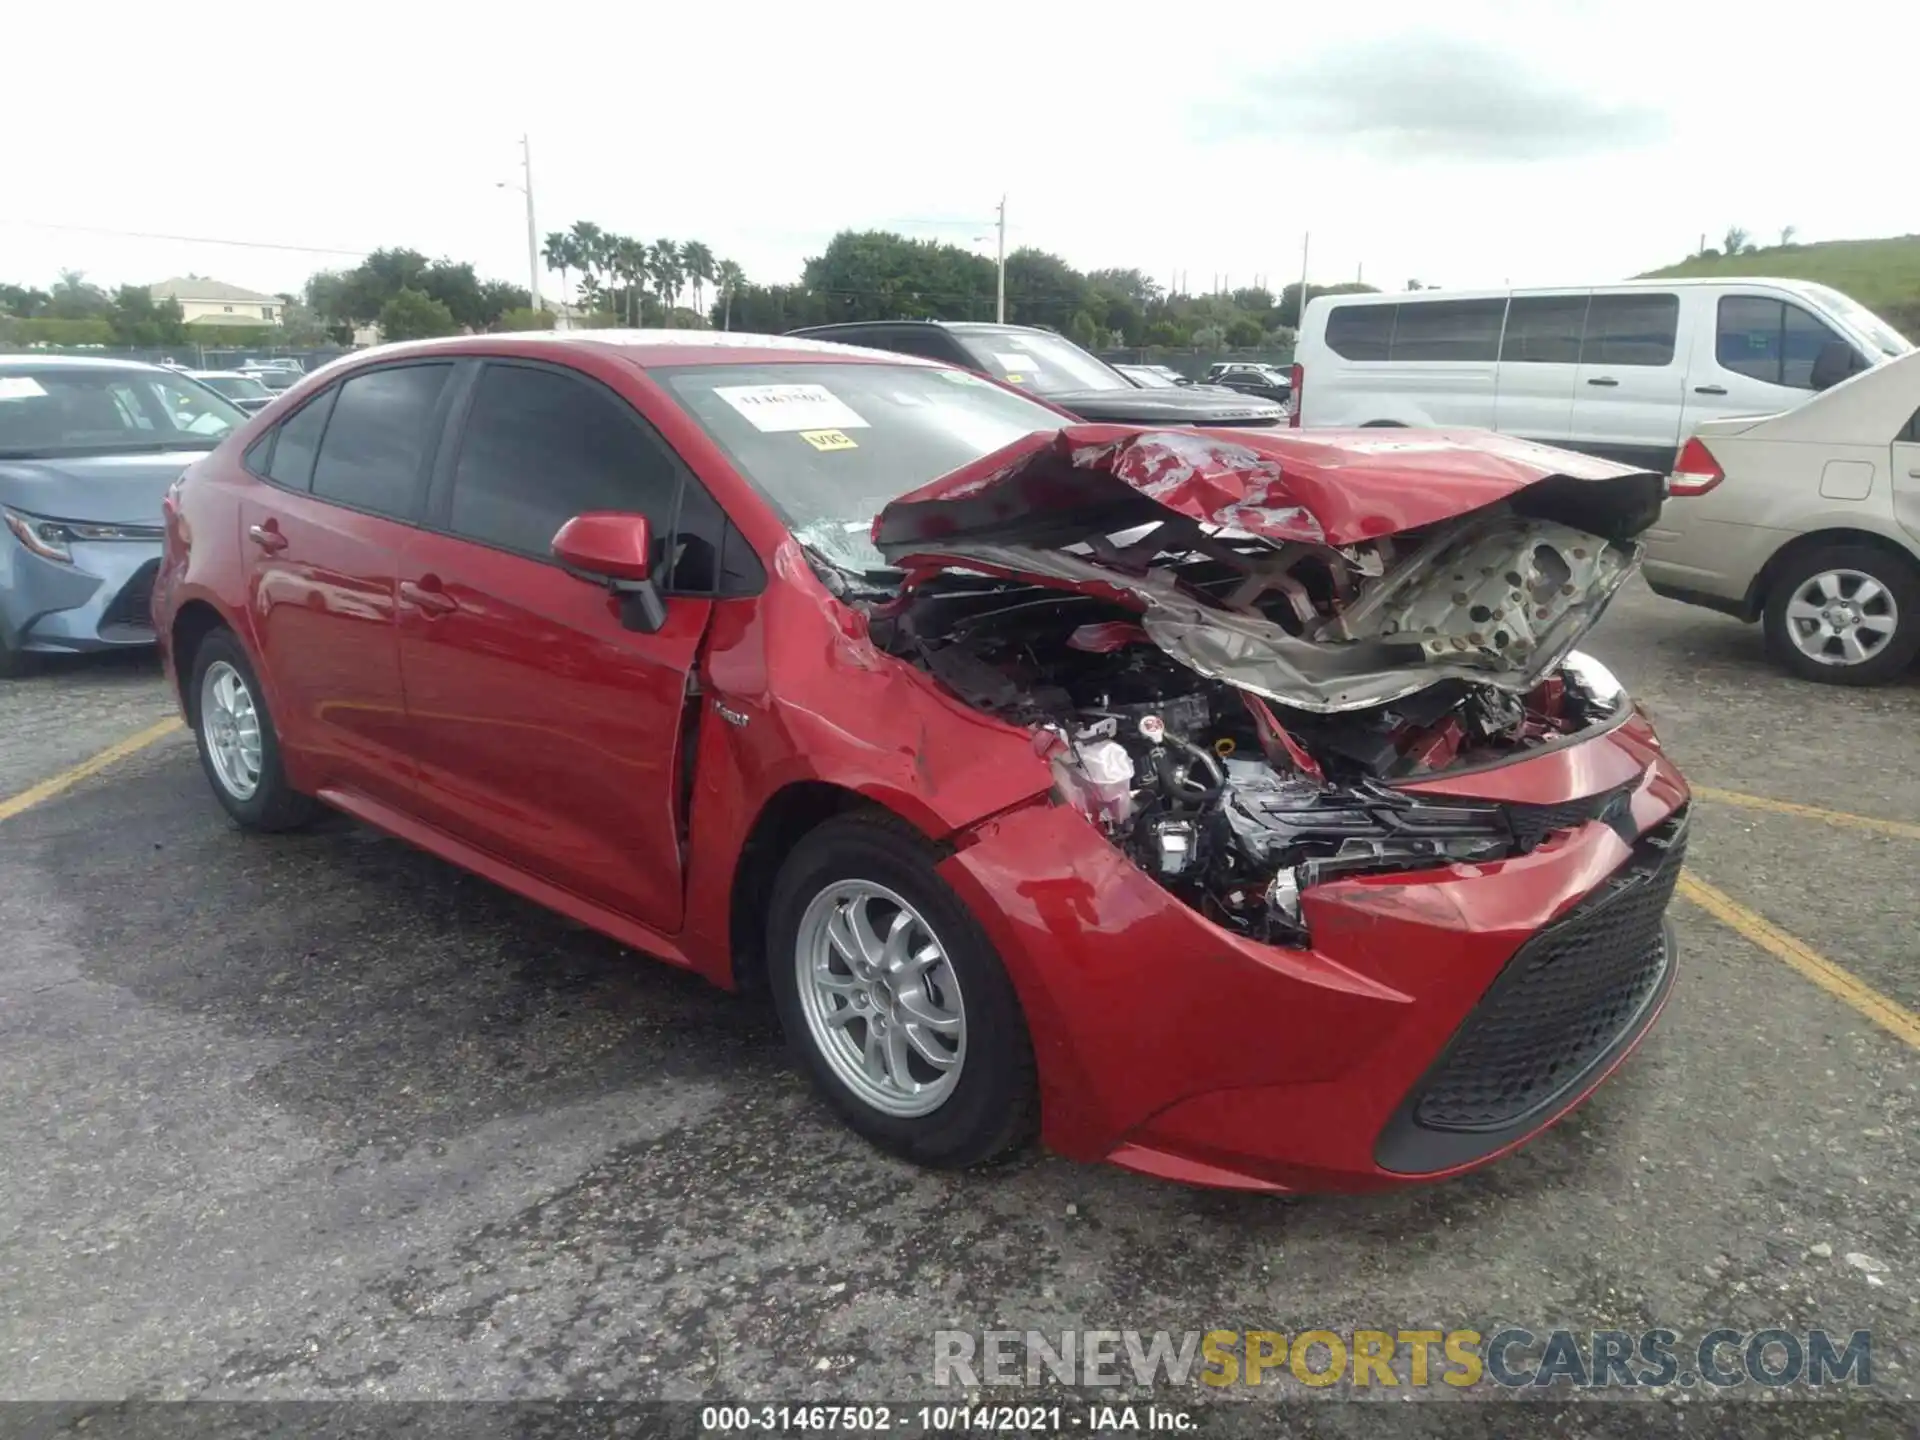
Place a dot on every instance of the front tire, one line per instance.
(1844, 615)
(239, 748)
(893, 999)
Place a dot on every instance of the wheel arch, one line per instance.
(194, 621)
(782, 822)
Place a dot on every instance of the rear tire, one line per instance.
(863, 1017)
(239, 748)
(1844, 615)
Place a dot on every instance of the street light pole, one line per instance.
(533, 233)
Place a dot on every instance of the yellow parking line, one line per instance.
(1808, 812)
(1884, 1011)
(67, 779)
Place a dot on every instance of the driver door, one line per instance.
(546, 732)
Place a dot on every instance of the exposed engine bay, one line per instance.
(1232, 657)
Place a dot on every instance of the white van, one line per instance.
(1625, 371)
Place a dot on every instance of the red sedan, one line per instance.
(1234, 807)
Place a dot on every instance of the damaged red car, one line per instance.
(1234, 807)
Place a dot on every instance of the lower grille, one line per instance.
(1532, 824)
(1563, 1001)
(129, 615)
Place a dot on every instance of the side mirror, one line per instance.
(1833, 364)
(615, 551)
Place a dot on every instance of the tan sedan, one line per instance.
(1808, 521)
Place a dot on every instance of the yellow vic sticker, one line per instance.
(828, 439)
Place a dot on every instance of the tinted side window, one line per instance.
(377, 438)
(1544, 330)
(929, 344)
(709, 556)
(541, 447)
(1447, 330)
(1746, 336)
(1631, 329)
(1360, 332)
(1912, 433)
(298, 442)
(1802, 337)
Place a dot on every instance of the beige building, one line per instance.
(214, 302)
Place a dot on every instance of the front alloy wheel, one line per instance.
(881, 999)
(892, 997)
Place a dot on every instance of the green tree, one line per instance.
(563, 254)
(22, 301)
(141, 322)
(664, 262)
(697, 260)
(1085, 331)
(1043, 289)
(525, 318)
(1245, 333)
(73, 298)
(877, 275)
(415, 315)
(1736, 240)
(589, 246)
(730, 278)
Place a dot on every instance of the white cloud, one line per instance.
(763, 130)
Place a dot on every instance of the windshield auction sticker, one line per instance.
(781, 408)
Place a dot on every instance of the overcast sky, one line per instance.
(1459, 144)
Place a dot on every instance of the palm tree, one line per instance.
(630, 263)
(589, 242)
(698, 260)
(667, 275)
(563, 255)
(729, 277)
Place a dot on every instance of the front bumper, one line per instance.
(100, 601)
(1170, 1046)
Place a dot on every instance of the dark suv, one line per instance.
(1054, 368)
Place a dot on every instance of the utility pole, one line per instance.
(1000, 269)
(533, 233)
(1300, 316)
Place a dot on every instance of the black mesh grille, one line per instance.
(1563, 1000)
(132, 608)
(1533, 823)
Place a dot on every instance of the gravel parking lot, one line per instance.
(321, 1116)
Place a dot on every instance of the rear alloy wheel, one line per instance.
(894, 1000)
(239, 749)
(1845, 615)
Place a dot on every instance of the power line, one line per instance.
(189, 239)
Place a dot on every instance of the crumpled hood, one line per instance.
(1194, 405)
(102, 489)
(1329, 486)
(1519, 548)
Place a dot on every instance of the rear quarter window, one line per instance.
(1360, 332)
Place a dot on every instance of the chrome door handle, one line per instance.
(267, 537)
(1602, 380)
(1709, 389)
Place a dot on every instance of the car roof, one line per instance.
(23, 360)
(217, 375)
(1690, 282)
(647, 348)
(971, 327)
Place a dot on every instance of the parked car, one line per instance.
(87, 449)
(245, 391)
(1150, 377)
(1808, 521)
(1229, 856)
(274, 375)
(1252, 379)
(1052, 367)
(1625, 371)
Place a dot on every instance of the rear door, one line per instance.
(346, 474)
(1627, 399)
(1906, 477)
(545, 731)
(1540, 364)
